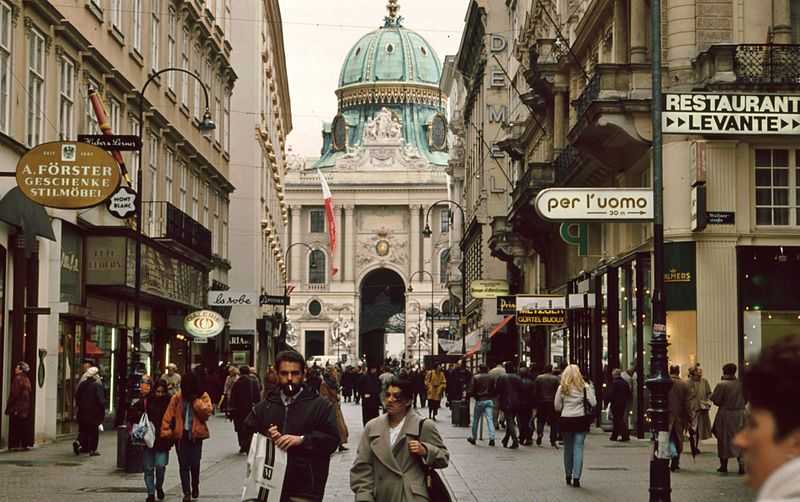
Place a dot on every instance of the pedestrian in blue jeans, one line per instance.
(482, 389)
(571, 399)
(154, 459)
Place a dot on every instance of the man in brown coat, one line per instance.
(679, 417)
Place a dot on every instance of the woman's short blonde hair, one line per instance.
(571, 378)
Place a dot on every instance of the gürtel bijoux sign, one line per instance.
(66, 175)
(204, 324)
(595, 204)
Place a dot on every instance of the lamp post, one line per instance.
(411, 290)
(426, 232)
(286, 288)
(206, 126)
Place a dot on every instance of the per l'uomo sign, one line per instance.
(595, 204)
(67, 175)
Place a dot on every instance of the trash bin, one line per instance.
(129, 456)
(459, 413)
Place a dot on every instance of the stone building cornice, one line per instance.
(390, 93)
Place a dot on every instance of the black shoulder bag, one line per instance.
(437, 491)
(589, 411)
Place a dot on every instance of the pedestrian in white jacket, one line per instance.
(570, 401)
(770, 440)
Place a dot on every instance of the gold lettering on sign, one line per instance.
(675, 276)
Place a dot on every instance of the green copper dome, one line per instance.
(391, 54)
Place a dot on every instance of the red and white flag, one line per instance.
(327, 200)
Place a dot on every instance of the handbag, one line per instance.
(589, 411)
(143, 433)
(437, 490)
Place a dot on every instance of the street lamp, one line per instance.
(286, 290)
(411, 290)
(426, 232)
(206, 127)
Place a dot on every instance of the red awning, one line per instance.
(475, 348)
(92, 349)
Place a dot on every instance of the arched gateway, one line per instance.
(383, 294)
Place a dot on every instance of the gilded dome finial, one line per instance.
(392, 19)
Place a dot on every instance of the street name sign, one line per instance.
(232, 298)
(67, 175)
(703, 113)
(273, 300)
(595, 204)
(112, 142)
(721, 217)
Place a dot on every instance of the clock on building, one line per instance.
(382, 247)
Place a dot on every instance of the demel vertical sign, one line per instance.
(702, 113)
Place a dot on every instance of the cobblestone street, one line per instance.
(612, 472)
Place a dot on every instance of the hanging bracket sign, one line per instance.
(701, 113)
(204, 324)
(595, 204)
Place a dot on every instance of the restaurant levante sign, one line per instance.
(67, 175)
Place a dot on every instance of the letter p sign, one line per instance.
(576, 234)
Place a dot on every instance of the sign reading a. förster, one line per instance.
(66, 175)
(595, 204)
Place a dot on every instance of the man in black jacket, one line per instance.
(244, 395)
(370, 388)
(545, 387)
(527, 404)
(619, 395)
(509, 398)
(303, 424)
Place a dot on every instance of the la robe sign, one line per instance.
(699, 113)
(595, 204)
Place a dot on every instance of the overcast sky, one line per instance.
(317, 36)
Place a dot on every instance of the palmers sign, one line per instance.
(595, 204)
(67, 175)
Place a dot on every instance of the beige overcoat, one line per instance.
(384, 474)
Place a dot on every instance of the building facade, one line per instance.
(259, 212)
(50, 56)
(579, 116)
(384, 157)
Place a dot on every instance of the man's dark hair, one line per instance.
(729, 369)
(483, 369)
(548, 368)
(290, 356)
(190, 386)
(405, 386)
(675, 370)
(774, 376)
(244, 369)
(524, 372)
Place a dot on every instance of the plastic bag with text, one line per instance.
(266, 468)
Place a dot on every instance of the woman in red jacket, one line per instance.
(18, 408)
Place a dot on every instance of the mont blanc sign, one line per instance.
(595, 204)
(67, 175)
(700, 113)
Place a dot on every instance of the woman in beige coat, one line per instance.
(435, 383)
(393, 447)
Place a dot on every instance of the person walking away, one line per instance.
(509, 397)
(678, 400)
(527, 404)
(619, 395)
(347, 384)
(435, 383)
(418, 380)
(329, 390)
(244, 395)
(154, 459)
(233, 375)
(271, 383)
(728, 396)
(313, 379)
(572, 397)
(173, 378)
(184, 423)
(358, 374)
(395, 450)
(495, 372)
(482, 389)
(369, 388)
(301, 423)
(91, 401)
(18, 409)
(545, 386)
(699, 406)
(770, 440)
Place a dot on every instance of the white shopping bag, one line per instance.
(266, 468)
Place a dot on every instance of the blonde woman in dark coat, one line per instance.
(393, 447)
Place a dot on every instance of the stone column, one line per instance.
(620, 37)
(339, 255)
(638, 50)
(349, 243)
(782, 28)
(559, 117)
(297, 235)
(414, 236)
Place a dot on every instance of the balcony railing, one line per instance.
(566, 163)
(590, 93)
(162, 220)
(767, 64)
(316, 286)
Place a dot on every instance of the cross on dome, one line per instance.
(392, 19)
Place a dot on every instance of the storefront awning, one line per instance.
(477, 346)
(20, 211)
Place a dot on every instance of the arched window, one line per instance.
(316, 267)
(444, 258)
(446, 307)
